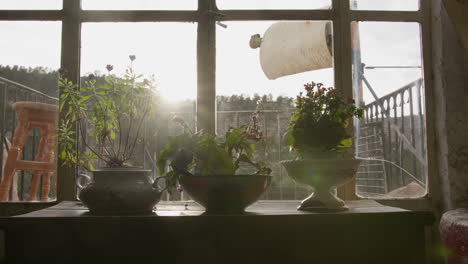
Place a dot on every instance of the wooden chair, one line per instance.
(30, 115)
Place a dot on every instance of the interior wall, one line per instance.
(450, 63)
(458, 10)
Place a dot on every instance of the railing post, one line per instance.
(422, 122)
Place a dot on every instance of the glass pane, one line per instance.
(165, 53)
(396, 5)
(391, 137)
(242, 82)
(139, 5)
(273, 4)
(30, 58)
(30, 4)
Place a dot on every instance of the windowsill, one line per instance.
(271, 231)
(75, 209)
(18, 208)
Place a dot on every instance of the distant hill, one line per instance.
(38, 78)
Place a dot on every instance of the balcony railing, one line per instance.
(273, 124)
(391, 141)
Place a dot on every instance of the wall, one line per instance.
(458, 10)
(450, 77)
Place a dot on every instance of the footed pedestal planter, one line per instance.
(323, 174)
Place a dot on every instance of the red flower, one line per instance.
(350, 100)
(309, 86)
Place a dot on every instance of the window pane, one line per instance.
(30, 4)
(30, 58)
(242, 81)
(391, 137)
(166, 51)
(139, 5)
(273, 4)
(397, 5)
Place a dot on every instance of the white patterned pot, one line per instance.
(121, 191)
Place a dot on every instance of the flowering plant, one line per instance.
(109, 115)
(320, 120)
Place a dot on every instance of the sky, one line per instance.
(168, 50)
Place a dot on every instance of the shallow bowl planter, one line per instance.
(225, 194)
(323, 174)
(121, 191)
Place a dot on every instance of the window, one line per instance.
(164, 52)
(271, 4)
(214, 36)
(139, 5)
(30, 58)
(396, 5)
(242, 87)
(391, 138)
(31, 5)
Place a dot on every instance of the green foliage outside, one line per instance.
(40, 78)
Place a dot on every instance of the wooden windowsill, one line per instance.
(266, 207)
(269, 232)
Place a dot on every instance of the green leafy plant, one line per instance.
(204, 154)
(109, 117)
(320, 120)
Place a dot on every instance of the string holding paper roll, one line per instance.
(294, 47)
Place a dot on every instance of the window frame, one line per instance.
(206, 17)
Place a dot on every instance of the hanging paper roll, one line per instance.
(294, 47)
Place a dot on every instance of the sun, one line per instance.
(174, 93)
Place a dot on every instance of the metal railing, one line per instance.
(392, 141)
(273, 124)
(12, 92)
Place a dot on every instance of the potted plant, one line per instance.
(318, 133)
(109, 115)
(206, 166)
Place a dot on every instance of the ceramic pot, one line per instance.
(121, 191)
(225, 194)
(324, 175)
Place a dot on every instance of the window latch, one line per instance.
(217, 14)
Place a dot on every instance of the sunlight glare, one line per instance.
(165, 50)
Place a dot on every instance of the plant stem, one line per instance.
(86, 144)
(120, 133)
(143, 117)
